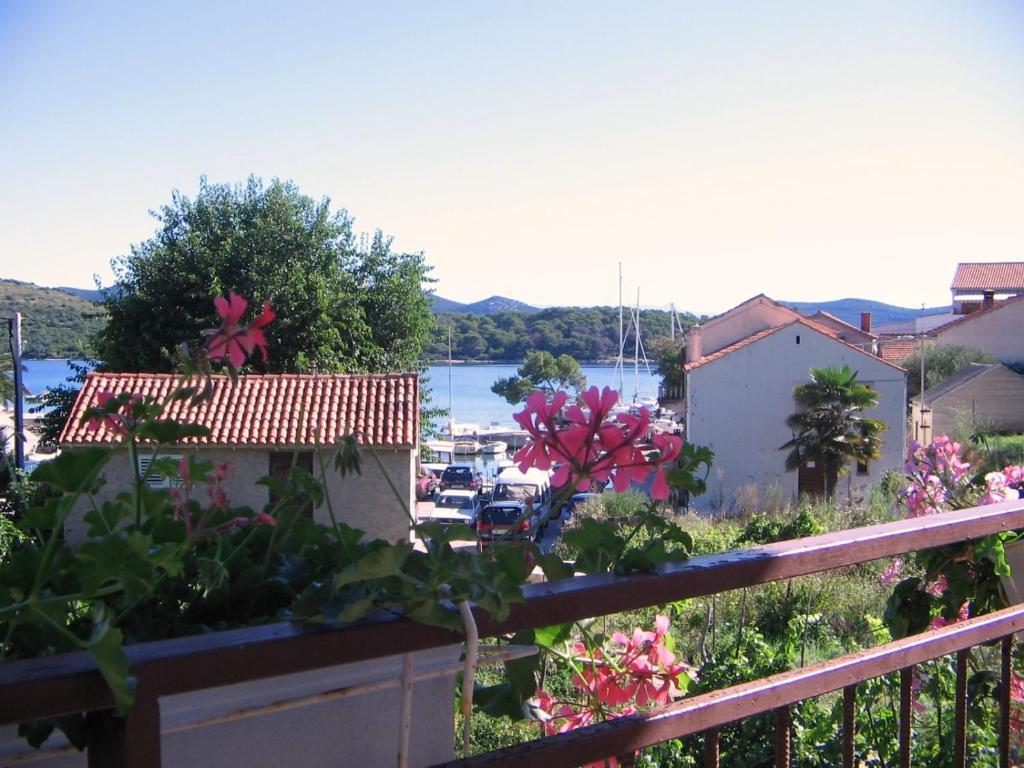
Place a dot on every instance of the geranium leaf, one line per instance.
(73, 470)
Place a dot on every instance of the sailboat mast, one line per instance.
(622, 341)
(636, 351)
(451, 416)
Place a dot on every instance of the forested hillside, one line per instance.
(585, 333)
(54, 323)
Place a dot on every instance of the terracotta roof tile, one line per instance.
(274, 409)
(989, 276)
(897, 350)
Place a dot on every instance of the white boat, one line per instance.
(467, 447)
(494, 447)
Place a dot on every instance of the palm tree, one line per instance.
(830, 426)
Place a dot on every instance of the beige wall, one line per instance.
(741, 322)
(999, 332)
(362, 501)
(738, 405)
(993, 400)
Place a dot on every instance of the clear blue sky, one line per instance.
(806, 150)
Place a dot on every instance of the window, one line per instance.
(153, 477)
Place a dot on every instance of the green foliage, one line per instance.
(585, 333)
(939, 364)
(829, 425)
(53, 323)
(764, 529)
(669, 357)
(343, 304)
(542, 371)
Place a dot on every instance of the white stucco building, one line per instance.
(263, 425)
(740, 373)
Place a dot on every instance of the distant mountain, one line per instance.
(54, 322)
(89, 294)
(488, 306)
(441, 304)
(848, 310)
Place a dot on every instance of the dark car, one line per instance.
(459, 477)
(506, 520)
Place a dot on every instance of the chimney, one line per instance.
(865, 322)
(988, 299)
(695, 344)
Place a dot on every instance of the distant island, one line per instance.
(60, 322)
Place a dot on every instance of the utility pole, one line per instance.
(19, 412)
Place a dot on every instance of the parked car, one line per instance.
(455, 507)
(507, 520)
(460, 477)
(426, 486)
(435, 468)
(576, 500)
(533, 486)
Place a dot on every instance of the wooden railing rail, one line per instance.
(38, 688)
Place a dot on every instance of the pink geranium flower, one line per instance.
(233, 342)
(591, 447)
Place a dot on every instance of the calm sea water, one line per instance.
(472, 400)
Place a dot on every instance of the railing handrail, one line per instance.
(47, 687)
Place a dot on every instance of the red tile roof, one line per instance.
(270, 410)
(805, 321)
(990, 276)
(897, 350)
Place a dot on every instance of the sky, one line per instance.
(806, 150)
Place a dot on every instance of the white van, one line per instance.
(535, 484)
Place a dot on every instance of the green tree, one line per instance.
(343, 304)
(669, 358)
(6, 378)
(542, 371)
(829, 425)
(939, 364)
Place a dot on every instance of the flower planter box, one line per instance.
(210, 729)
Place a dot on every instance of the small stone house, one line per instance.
(262, 424)
(980, 396)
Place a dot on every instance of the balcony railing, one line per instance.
(49, 687)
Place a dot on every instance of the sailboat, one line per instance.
(651, 403)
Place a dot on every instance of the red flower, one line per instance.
(592, 447)
(233, 342)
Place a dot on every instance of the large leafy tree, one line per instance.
(939, 364)
(343, 304)
(543, 371)
(830, 425)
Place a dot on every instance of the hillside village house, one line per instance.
(262, 424)
(988, 313)
(741, 368)
(977, 285)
